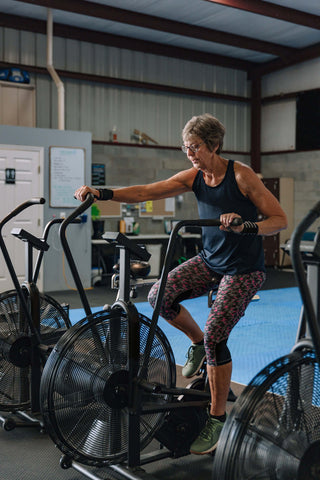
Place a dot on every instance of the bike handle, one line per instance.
(20, 208)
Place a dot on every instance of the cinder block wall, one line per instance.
(127, 165)
(304, 167)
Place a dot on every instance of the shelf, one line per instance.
(139, 145)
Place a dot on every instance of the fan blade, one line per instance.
(15, 346)
(273, 430)
(85, 390)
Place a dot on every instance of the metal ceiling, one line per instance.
(253, 35)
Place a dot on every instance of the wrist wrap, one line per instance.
(105, 194)
(250, 228)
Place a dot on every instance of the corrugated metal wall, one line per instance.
(97, 107)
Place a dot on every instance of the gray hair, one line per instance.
(208, 128)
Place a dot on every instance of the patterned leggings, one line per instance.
(193, 279)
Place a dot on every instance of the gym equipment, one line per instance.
(273, 431)
(30, 324)
(108, 387)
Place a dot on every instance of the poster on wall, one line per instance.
(98, 174)
(66, 175)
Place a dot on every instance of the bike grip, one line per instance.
(95, 196)
(236, 222)
(35, 201)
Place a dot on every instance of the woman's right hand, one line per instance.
(82, 192)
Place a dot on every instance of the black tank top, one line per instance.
(227, 252)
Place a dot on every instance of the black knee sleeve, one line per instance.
(223, 354)
(176, 303)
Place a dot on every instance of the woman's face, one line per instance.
(198, 152)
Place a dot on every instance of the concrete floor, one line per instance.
(28, 454)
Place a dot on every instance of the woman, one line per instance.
(224, 189)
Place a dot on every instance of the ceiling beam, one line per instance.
(136, 84)
(101, 38)
(274, 11)
(119, 15)
(303, 55)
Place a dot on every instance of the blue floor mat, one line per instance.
(266, 332)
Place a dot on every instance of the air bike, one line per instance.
(109, 386)
(30, 324)
(273, 430)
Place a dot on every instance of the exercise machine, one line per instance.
(273, 430)
(109, 386)
(30, 324)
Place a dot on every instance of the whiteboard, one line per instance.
(66, 175)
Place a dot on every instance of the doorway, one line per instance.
(21, 178)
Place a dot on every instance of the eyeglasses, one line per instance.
(193, 148)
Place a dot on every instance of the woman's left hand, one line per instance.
(226, 220)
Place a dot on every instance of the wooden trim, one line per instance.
(287, 96)
(279, 98)
(278, 152)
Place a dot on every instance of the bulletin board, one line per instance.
(109, 208)
(66, 175)
(164, 207)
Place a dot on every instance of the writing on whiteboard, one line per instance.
(66, 175)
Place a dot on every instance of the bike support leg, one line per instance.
(127, 473)
(134, 358)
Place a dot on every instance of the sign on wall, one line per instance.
(10, 175)
(66, 175)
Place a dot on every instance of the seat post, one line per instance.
(124, 274)
(28, 261)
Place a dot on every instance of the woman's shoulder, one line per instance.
(187, 176)
(245, 176)
(242, 169)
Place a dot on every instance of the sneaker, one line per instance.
(195, 358)
(207, 440)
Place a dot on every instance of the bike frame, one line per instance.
(137, 375)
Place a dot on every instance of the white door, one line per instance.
(27, 165)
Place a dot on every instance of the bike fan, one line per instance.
(15, 345)
(85, 388)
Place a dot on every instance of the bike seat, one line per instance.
(138, 268)
(25, 236)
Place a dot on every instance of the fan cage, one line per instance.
(83, 419)
(273, 423)
(15, 381)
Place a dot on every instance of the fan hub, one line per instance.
(116, 389)
(310, 463)
(16, 350)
